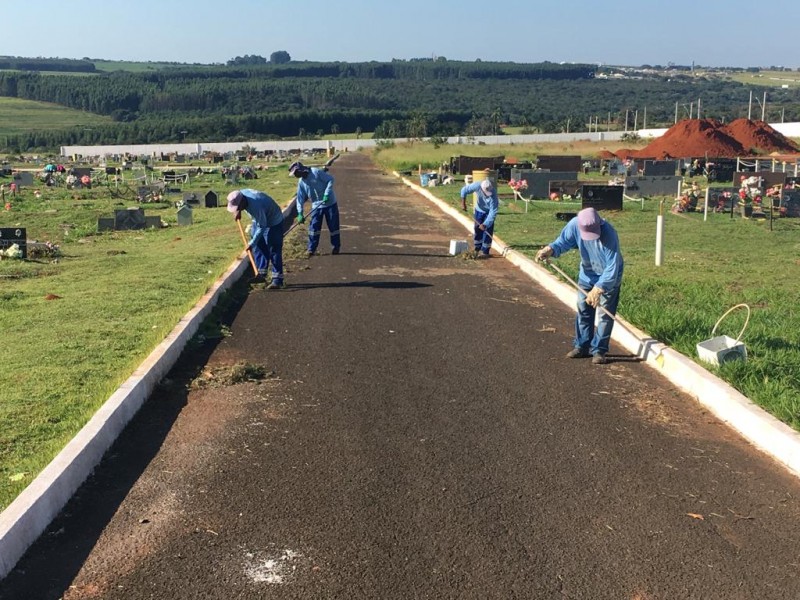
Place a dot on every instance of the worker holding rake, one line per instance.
(485, 212)
(316, 186)
(267, 231)
(599, 280)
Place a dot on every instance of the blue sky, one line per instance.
(710, 32)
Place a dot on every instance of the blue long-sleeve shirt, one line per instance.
(313, 187)
(264, 211)
(486, 203)
(601, 260)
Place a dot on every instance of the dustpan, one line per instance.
(722, 348)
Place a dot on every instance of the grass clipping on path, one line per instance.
(225, 375)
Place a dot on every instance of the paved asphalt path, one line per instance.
(422, 437)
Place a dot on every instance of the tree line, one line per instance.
(394, 99)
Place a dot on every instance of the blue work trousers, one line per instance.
(268, 249)
(482, 239)
(331, 216)
(587, 337)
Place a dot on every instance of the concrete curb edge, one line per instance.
(760, 428)
(24, 520)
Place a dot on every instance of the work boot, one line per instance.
(335, 250)
(599, 359)
(257, 279)
(577, 353)
(276, 285)
(309, 253)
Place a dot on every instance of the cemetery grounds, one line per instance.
(80, 315)
(77, 322)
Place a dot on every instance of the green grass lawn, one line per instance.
(707, 268)
(768, 78)
(22, 116)
(118, 295)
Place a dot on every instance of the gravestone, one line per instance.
(211, 199)
(791, 202)
(191, 198)
(112, 171)
(559, 163)
(465, 165)
(539, 181)
(657, 168)
(14, 235)
(23, 179)
(643, 187)
(602, 197)
(152, 222)
(180, 158)
(105, 224)
(81, 171)
(185, 215)
(722, 199)
(129, 219)
(768, 178)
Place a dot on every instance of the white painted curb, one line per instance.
(756, 425)
(32, 511)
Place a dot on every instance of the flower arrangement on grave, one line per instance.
(518, 184)
(44, 250)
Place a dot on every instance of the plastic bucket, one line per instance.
(721, 349)
(424, 179)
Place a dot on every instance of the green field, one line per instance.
(21, 116)
(768, 78)
(137, 67)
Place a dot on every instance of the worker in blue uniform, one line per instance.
(266, 233)
(485, 213)
(600, 279)
(316, 186)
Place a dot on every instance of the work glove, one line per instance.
(325, 199)
(544, 254)
(593, 297)
(238, 216)
(300, 218)
(482, 227)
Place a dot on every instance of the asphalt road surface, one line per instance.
(420, 436)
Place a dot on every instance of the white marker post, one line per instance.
(660, 234)
(705, 211)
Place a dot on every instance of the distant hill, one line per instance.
(172, 102)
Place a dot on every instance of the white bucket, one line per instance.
(458, 247)
(721, 349)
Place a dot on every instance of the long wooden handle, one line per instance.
(247, 248)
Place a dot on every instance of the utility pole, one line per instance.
(764, 108)
(676, 113)
(750, 106)
(644, 119)
(698, 108)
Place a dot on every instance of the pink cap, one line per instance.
(589, 223)
(234, 201)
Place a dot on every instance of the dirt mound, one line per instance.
(758, 137)
(606, 154)
(626, 153)
(694, 138)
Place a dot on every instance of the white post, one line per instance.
(644, 118)
(676, 112)
(698, 108)
(660, 234)
(764, 107)
(705, 211)
(750, 106)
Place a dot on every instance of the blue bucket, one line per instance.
(424, 179)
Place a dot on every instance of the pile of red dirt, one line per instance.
(696, 138)
(626, 153)
(606, 154)
(758, 137)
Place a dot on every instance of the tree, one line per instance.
(334, 129)
(281, 57)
